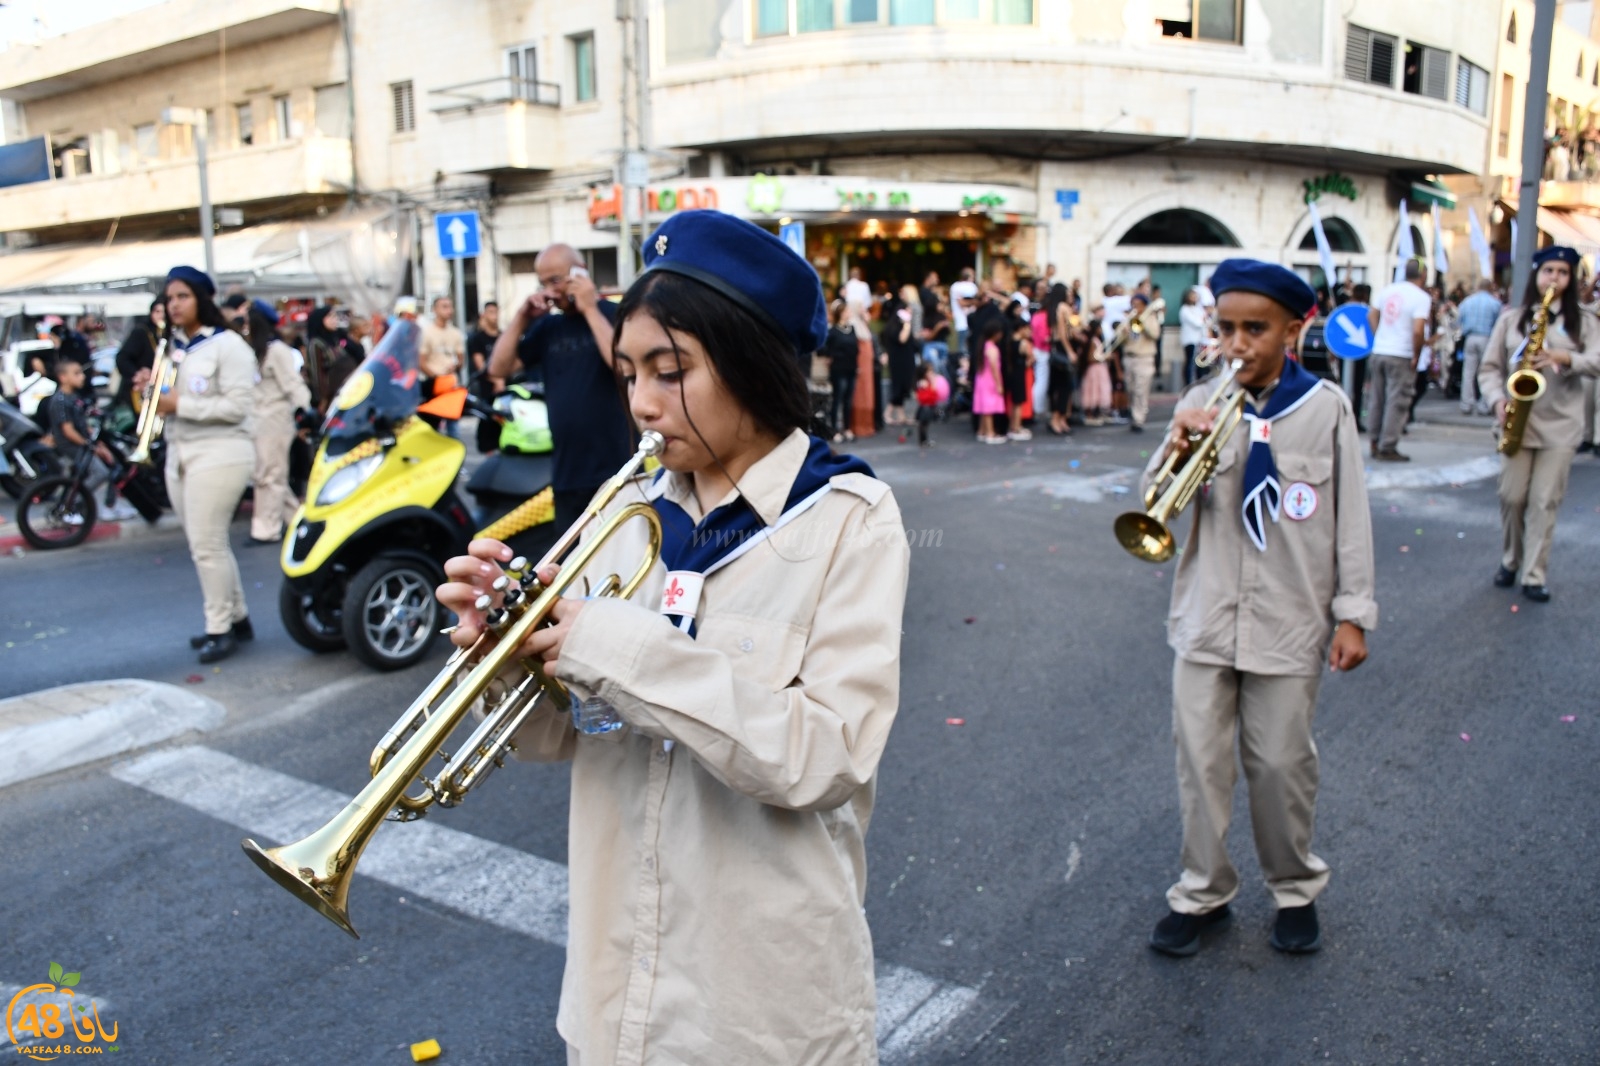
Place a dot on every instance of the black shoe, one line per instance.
(218, 648)
(1296, 931)
(1586, 446)
(1391, 455)
(1136, 428)
(242, 630)
(1536, 593)
(1504, 579)
(1179, 934)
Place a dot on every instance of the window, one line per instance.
(333, 111)
(1508, 89)
(282, 116)
(961, 10)
(1180, 226)
(1511, 29)
(813, 15)
(1427, 71)
(403, 107)
(1206, 20)
(1472, 87)
(781, 18)
(147, 142)
(1579, 72)
(861, 11)
(1341, 237)
(244, 122)
(522, 72)
(695, 28)
(1013, 12)
(583, 84)
(911, 12)
(1369, 57)
(772, 17)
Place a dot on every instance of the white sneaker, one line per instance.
(71, 519)
(122, 511)
(1021, 434)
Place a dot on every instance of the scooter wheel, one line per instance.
(313, 626)
(390, 615)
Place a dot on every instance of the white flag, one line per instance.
(1407, 247)
(1324, 253)
(1513, 238)
(1480, 246)
(1441, 261)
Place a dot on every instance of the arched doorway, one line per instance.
(1179, 226)
(1166, 248)
(1343, 241)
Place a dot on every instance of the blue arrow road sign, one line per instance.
(458, 234)
(1347, 334)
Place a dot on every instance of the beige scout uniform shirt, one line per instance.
(1556, 420)
(1144, 344)
(440, 350)
(716, 845)
(1273, 612)
(281, 391)
(216, 385)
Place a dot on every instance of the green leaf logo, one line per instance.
(70, 980)
(55, 972)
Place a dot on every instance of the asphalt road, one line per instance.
(1022, 855)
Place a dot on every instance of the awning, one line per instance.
(1430, 191)
(107, 304)
(1566, 227)
(358, 256)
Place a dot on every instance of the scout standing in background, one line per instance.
(1533, 482)
(1279, 560)
(721, 794)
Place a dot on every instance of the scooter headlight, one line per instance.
(347, 480)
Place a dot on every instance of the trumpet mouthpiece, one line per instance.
(651, 442)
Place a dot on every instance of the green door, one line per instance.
(1175, 279)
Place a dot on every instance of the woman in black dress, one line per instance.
(902, 341)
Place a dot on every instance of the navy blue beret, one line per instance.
(749, 266)
(1265, 279)
(198, 280)
(1557, 252)
(265, 310)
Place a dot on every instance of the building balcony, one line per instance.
(308, 166)
(498, 124)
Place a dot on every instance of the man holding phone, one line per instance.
(561, 334)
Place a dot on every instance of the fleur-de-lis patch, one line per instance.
(661, 244)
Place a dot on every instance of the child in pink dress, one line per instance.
(987, 400)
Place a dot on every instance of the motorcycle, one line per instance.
(382, 514)
(25, 455)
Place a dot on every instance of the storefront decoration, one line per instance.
(988, 201)
(1334, 183)
(765, 195)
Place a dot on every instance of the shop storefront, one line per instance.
(894, 231)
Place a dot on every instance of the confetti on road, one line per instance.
(1569, 718)
(1051, 549)
(1460, 535)
(1405, 547)
(1513, 608)
(1466, 737)
(969, 621)
(1394, 510)
(1075, 464)
(193, 679)
(955, 721)
(1419, 532)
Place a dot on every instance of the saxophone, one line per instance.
(1525, 385)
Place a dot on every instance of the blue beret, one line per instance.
(265, 310)
(747, 265)
(1556, 252)
(198, 280)
(1265, 279)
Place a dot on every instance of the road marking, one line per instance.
(40, 999)
(488, 881)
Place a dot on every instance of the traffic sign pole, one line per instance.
(461, 318)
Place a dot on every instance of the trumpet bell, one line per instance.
(1143, 536)
(316, 885)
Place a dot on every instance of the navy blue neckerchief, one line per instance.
(734, 528)
(1263, 495)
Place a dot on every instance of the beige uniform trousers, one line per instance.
(1140, 371)
(1272, 717)
(1393, 385)
(1532, 485)
(205, 479)
(275, 505)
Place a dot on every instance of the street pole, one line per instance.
(1533, 114)
(461, 314)
(208, 222)
(641, 88)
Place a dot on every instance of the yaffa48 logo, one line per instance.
(45, 1019)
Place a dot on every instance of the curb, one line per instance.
(58, 728)
(132, 529)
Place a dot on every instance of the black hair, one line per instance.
(205, 305)
(757, 367)
(993, 327)
(1571, 317)
(262, 333)
(488, 305)
(236, 301)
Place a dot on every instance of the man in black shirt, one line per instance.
(562, 333)
(480, 345)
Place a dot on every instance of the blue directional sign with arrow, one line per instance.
(1347, 334)
(458, 234)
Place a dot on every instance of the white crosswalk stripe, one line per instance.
(488, 881)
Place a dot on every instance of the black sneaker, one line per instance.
(242, 630)
(1296, 931)
(1179, 934)
(1504, 579)
(1536, 593)
(218, 648)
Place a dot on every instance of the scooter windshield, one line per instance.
(381, 393)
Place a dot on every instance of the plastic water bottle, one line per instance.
(594, 716)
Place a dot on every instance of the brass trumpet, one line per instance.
(1526, 385)
(163, 373)
(318, 868)
(1147, 534)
